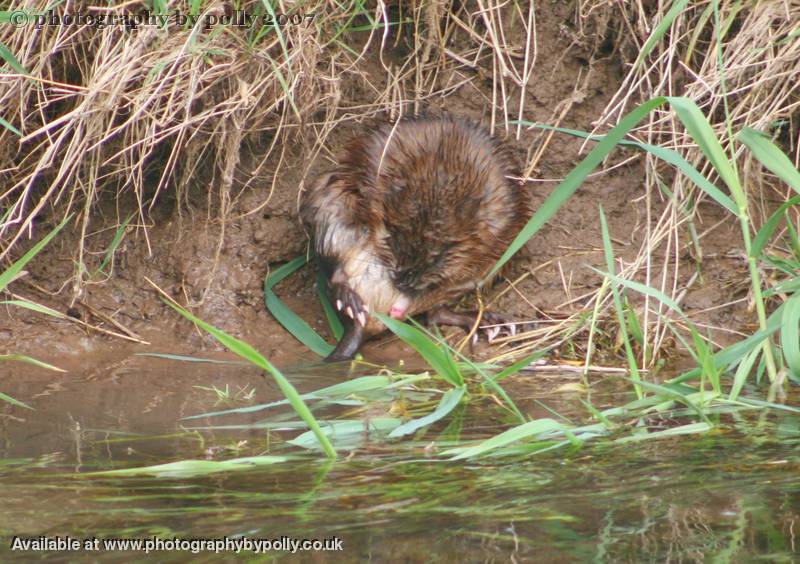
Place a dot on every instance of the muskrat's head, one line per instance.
(415, 276)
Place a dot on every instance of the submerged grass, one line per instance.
(416, 393)
(570, 505)
(194, 468)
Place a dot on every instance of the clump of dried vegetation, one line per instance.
(744, 76)
(97, 112)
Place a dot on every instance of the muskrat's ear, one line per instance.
(320, 184)
(309, 199)
(324, 180)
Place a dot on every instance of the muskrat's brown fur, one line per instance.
(414, 216)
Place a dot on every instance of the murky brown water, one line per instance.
(730, 495)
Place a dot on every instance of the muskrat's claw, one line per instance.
(492, 333)
(498, 323)
(349, 303)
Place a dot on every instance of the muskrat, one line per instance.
(414, 215)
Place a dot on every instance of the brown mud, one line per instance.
(218, 270)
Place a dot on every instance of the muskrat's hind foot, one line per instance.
(491, 323)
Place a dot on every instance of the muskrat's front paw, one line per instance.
(349, 303)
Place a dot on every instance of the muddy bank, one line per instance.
(217, 266)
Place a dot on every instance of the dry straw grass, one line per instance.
(118, 111)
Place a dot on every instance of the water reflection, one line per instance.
(729, 495)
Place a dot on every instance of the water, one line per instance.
(731, 495)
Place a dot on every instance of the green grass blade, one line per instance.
(519, 365)
(785, 287)
(10, 127)
(705, 361)
(281, 38)
(623, 326)
(276, 276)
(9, 399)
(518, 433)
(183, 358)
(790, 336)
(769, 404)
(250, 354)
(794, 241)
(11, 272)
(34, 307)
(299, 329)
(334, 322)
(8, 57)
(492, 383)
(467, 363)
(570, 184)
(285, 86)
(30, 360)
(643, 289)
(343, 389)
(771, 156)
(742, 372)
(699, 27)
(195, 468)
(701, 354)
(659, 31)
(762, 237)
(5, 15)
(449, 401)
(689, 429)
(736, 352)
(634, 327)
(667, 155)
(698, 127)
(118, 235)
(348, 433)
(600, 416)
(440, 360)
(679, 393)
